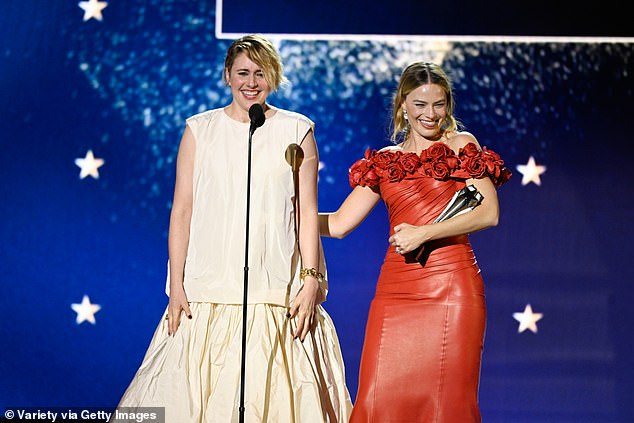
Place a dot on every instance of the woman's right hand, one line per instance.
(177, 304)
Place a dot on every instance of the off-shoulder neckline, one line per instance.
(399, 147)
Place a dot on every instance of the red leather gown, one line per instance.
(425, 329)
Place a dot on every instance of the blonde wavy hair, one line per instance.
(415, 75)
(261, 52)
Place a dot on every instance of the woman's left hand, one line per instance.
(304, 307)
(407, 237)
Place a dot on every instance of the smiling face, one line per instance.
(423, 85)
(248, 84)
(426, 108)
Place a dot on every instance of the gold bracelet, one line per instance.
(311, 271)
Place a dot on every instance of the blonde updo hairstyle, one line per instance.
(415, 75)
(261, 52)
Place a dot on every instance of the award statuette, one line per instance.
(463, 201)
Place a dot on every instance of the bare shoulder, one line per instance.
(458, 139)
(391, 148)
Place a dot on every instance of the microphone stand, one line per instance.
(255, 123)
(294, 156)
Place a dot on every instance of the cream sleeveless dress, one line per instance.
(195, 374)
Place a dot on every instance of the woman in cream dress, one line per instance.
(294, 367)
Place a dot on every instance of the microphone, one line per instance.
(294, 156)
(256, 114)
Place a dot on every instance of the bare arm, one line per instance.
(178, 237)
(304, 304)
(409, 237)
(350, 214)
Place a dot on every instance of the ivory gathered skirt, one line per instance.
(195, 374)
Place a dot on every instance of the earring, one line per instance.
(405, 115)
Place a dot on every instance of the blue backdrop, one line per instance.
(122, 87)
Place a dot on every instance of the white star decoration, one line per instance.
(89, 165)
(85, 310)
(92, 9)
(531, 171)
(527, 319)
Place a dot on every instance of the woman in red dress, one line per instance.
(425, 329)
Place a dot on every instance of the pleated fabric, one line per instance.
(195, 374)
